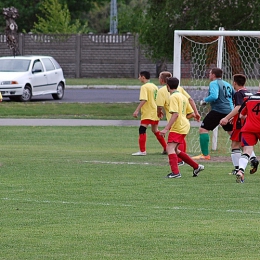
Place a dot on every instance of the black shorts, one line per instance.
(212, 119)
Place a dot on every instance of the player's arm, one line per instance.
(136, 112)
(170, 123)
(192, 103)
(197, 116)
(213, 93)
(227, 118)
(160, 113)
(190, 115)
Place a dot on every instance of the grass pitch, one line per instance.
(77, 193)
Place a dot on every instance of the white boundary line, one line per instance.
(133, 206)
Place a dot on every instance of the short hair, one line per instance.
(217, 72)
(145, 73)
(164, 75)
(240, 79)
(172, 82)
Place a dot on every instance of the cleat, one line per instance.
(164, 152)
(240, 177)
(234, 172)
(254, 166)
(172, 175)
(201, 157)
(198, 170)
(139, 153)
(181, 163)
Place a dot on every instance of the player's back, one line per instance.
(252, 110)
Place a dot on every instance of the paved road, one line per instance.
(104, 94)
(92, 95)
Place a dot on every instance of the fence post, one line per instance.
(78, 56)
(21, 43)
(137, 57)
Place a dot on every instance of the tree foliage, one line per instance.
(29, 9)
(55, 19)
(162, 17)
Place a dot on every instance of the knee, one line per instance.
(142, 130)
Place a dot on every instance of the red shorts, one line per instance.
(249, 139)
(236, 135)
(176, 138)
(149, 122)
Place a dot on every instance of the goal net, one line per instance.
(196, 52)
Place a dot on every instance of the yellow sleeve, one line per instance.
(184, 92)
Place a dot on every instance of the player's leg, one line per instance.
(159, 137)
(173, 159)
(248, 141)
(142, 140)
(235, 152)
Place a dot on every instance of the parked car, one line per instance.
(22, 77)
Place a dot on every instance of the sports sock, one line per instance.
(243, 161)
(186, 158)
(161, 139)
(142, 142)
(235, 156)
(252, 155)
(173, 161)
(181, 147)
(204, 143)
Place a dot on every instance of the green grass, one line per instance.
(77, 193)
(122, 111)
(107, 81)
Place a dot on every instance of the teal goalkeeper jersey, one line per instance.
(220, 96)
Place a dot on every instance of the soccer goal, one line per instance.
(196, 52)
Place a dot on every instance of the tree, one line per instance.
(56, 19)
(29, 8)
(162, 17)
(130, 15)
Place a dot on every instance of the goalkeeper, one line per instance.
(220, 97)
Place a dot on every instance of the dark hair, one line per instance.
(240, 79)
(145, 73)
(172, 82)
(217, 72)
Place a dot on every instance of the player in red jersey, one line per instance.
(250, 110)
(241, 93)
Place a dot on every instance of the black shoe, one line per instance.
(254, 165)
(233, 172)
(197, 171)
(172, 175)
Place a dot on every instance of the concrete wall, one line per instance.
(88, 55)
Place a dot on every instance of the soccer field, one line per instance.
(77, 193)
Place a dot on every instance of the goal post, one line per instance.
(197, 51)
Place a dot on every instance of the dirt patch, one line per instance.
(218, 159)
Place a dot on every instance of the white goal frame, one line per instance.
(178, 34)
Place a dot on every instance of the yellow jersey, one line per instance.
(148, 92)
(163, 97)
(178, 103)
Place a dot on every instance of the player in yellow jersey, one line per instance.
(163, 103)
(148, 108)
(179, 126)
